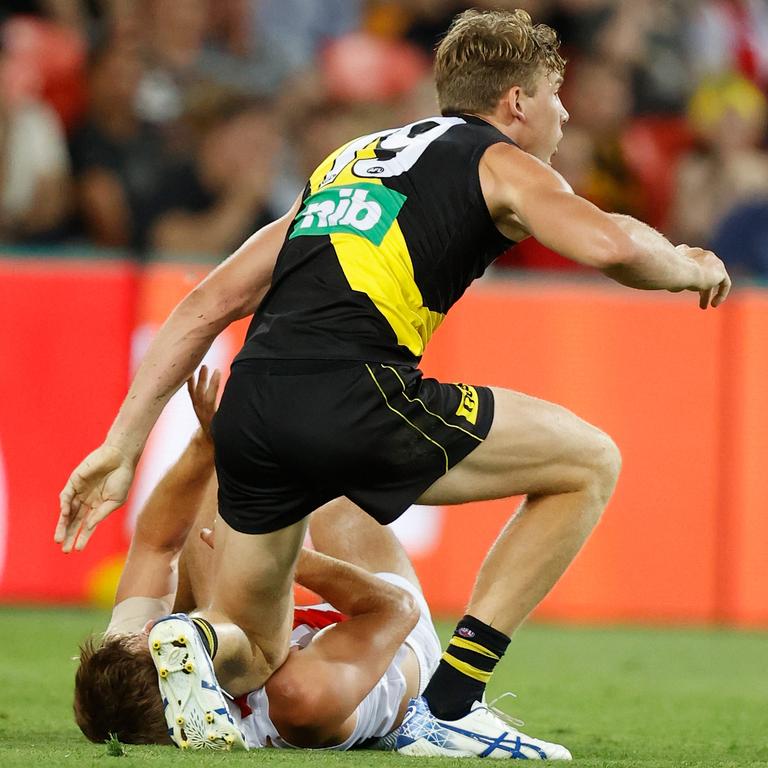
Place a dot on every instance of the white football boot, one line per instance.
(195, 708)
(481, 733)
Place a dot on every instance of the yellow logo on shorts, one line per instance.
(469, 403)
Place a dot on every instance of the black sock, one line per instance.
(207, 635)
(465, 668)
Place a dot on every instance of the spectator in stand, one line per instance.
(599, 99)
(579, 21)
(742, 239)
(300, 28)
(119, 159)
(361, 81)
(729, 165)
(649, 40)
(213, 203)
(194, 45)
(730, 36)
(239, 54)
(424, 22)
(35, 189)
(66, 12)
(314, 133)
(173, 43)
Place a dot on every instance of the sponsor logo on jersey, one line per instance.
(364, 209)
(468, 404)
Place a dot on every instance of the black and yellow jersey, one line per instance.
(391, 231)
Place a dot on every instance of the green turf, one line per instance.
(615, 697)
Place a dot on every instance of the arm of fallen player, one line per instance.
(159, 537)
(316, 691)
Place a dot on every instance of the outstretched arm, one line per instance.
(525, 195)
(100, 484)
(159, 536)
(316, 692)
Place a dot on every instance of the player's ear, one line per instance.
(514, 103)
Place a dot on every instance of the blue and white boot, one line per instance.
(481, 733)
(195, 708)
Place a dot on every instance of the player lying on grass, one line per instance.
(347, 687)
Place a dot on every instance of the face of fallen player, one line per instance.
(541, 116)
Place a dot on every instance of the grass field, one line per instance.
(615, 697)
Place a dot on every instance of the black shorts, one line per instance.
(292, 435)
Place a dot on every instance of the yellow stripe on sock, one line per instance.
(207, 632)
(467, 669)
(460, 642)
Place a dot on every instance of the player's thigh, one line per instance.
(533, 447)
(343, 530)
(253, 581)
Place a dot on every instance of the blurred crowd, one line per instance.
(179, 126)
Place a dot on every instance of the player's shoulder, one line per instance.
(508, 163)
(299, 696)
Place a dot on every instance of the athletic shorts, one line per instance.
(291, 435)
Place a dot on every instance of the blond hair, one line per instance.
(485, 53)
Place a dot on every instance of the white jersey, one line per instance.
(377, 713)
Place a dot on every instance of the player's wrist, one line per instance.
(125, 446)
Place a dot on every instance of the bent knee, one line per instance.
(604, 463)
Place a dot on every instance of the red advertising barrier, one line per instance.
(645, 368)
(64, 349)
(682, 393)
(743, 544)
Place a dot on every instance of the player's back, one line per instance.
(392, 229)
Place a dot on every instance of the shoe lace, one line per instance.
(515, 722)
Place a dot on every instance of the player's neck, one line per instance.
(510, 128)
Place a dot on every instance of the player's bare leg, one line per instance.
(339, 529)
(245, 588)
(234, 656)
(568, 470)
(236, 643)
(342, 530)
(252, 602)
